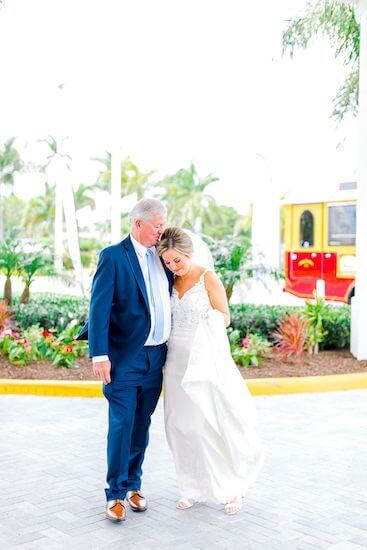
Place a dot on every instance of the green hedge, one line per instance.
(51, 310)
(263, 320)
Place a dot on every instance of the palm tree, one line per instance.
(54, 151)
(31, 263)
(10, 164)
(10, 261)
(187, 203)
(39, 214)
(132, 179)
(82, 196)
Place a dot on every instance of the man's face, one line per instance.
(148, 233)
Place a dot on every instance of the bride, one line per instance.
(209, 413)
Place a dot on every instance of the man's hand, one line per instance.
(102, 370)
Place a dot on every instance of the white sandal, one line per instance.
(185, 503)
(233, 506)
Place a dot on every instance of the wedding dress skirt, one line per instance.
(210, 415)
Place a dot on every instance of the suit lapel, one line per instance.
(135, 266)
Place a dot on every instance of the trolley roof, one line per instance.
(346, 192)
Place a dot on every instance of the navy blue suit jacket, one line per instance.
(119, 317)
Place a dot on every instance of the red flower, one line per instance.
(245, 342)
(69, 349)
(45, 333)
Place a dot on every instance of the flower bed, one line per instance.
(40, 336)
(33, 344)
(326, 362)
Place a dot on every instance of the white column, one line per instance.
(359, 302)
(265, 235)
(265, 230)
(58, 228)
(116, 194)
(55, 173)
(72, 229)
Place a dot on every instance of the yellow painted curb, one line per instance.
(306, 384)
(257, 386)
(56, 388)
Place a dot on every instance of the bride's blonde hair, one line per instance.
(177, 238)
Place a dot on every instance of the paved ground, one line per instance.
(311, 494)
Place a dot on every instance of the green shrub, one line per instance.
(35, 343)
(51, 311)
(337, 324)
(263, 321)
(250, 351)
(88, 259)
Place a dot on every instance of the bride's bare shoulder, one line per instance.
(211, 279)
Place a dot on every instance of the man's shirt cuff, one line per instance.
(99, 358)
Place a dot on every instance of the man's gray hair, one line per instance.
(145, 208)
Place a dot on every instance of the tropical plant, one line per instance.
(249, 351)
(39, 215)
(31, 263)
(35, 343)
(291, 337)
(83, 196)
(132, 179)
(64, 348)
(315, 312)
(10, 164)
(336, 20)
(51, 311)
(225, 221)
(232, 259)
(10, 261)
(264, 320)
(54, 149)
(4, 314)
(13, 211)
(234, 262)
(187, 203)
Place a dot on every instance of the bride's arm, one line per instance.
(217, 295)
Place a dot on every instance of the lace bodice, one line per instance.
(194, 305)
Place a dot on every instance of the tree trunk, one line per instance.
(24, 299)
(1, 215)
(229, 290)
(8, 296)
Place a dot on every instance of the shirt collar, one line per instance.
(139, 248)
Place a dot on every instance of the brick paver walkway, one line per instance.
(312, 492)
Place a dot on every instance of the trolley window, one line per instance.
(342, 225)
(306, 233)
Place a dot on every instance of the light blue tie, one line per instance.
(155, 297)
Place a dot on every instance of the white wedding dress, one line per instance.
(210, 415)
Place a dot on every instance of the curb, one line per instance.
(54, 388)
(308, 384)
(257, 386)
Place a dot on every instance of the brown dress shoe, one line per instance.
(136, 500)
(115, 510)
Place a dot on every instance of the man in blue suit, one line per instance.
(128, 327)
